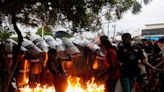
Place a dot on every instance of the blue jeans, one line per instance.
(127, 84)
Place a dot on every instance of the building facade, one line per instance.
(153, 31)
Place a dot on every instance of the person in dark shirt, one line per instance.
(160, 65)
(129, 56)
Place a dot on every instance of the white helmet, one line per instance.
(29, 45)
(70, 47)
(60, 46)
(38, 41)
(50, 41)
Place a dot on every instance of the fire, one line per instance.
(74, 85)
(90, 86)
(46, 59)
(39, 88)
(25, 79)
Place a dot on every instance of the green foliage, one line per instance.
(4, 36)
(39, 32)
(136, 8)
(46, 29)
(4, 33)
(80, 14)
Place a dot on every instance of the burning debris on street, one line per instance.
(49, 65)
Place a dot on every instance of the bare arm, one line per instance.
(148, 64)
(145, 61)
(160, 62)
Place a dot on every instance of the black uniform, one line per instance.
(129, 56)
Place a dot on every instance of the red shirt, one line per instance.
(112, 64)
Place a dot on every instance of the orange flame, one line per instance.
(39, 88)
(46, 59)
(74, 85)
(25, 79)
(77, 86)
(95, 65)
(24, 74)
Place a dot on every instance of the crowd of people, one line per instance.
(137, 66)
(133, 76)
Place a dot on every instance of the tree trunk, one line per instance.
(4, 67)
(16, 51)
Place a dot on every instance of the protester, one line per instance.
(161, 65)
(129, 56)
(111, 64)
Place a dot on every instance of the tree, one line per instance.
(78, 14)
(46, 29)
